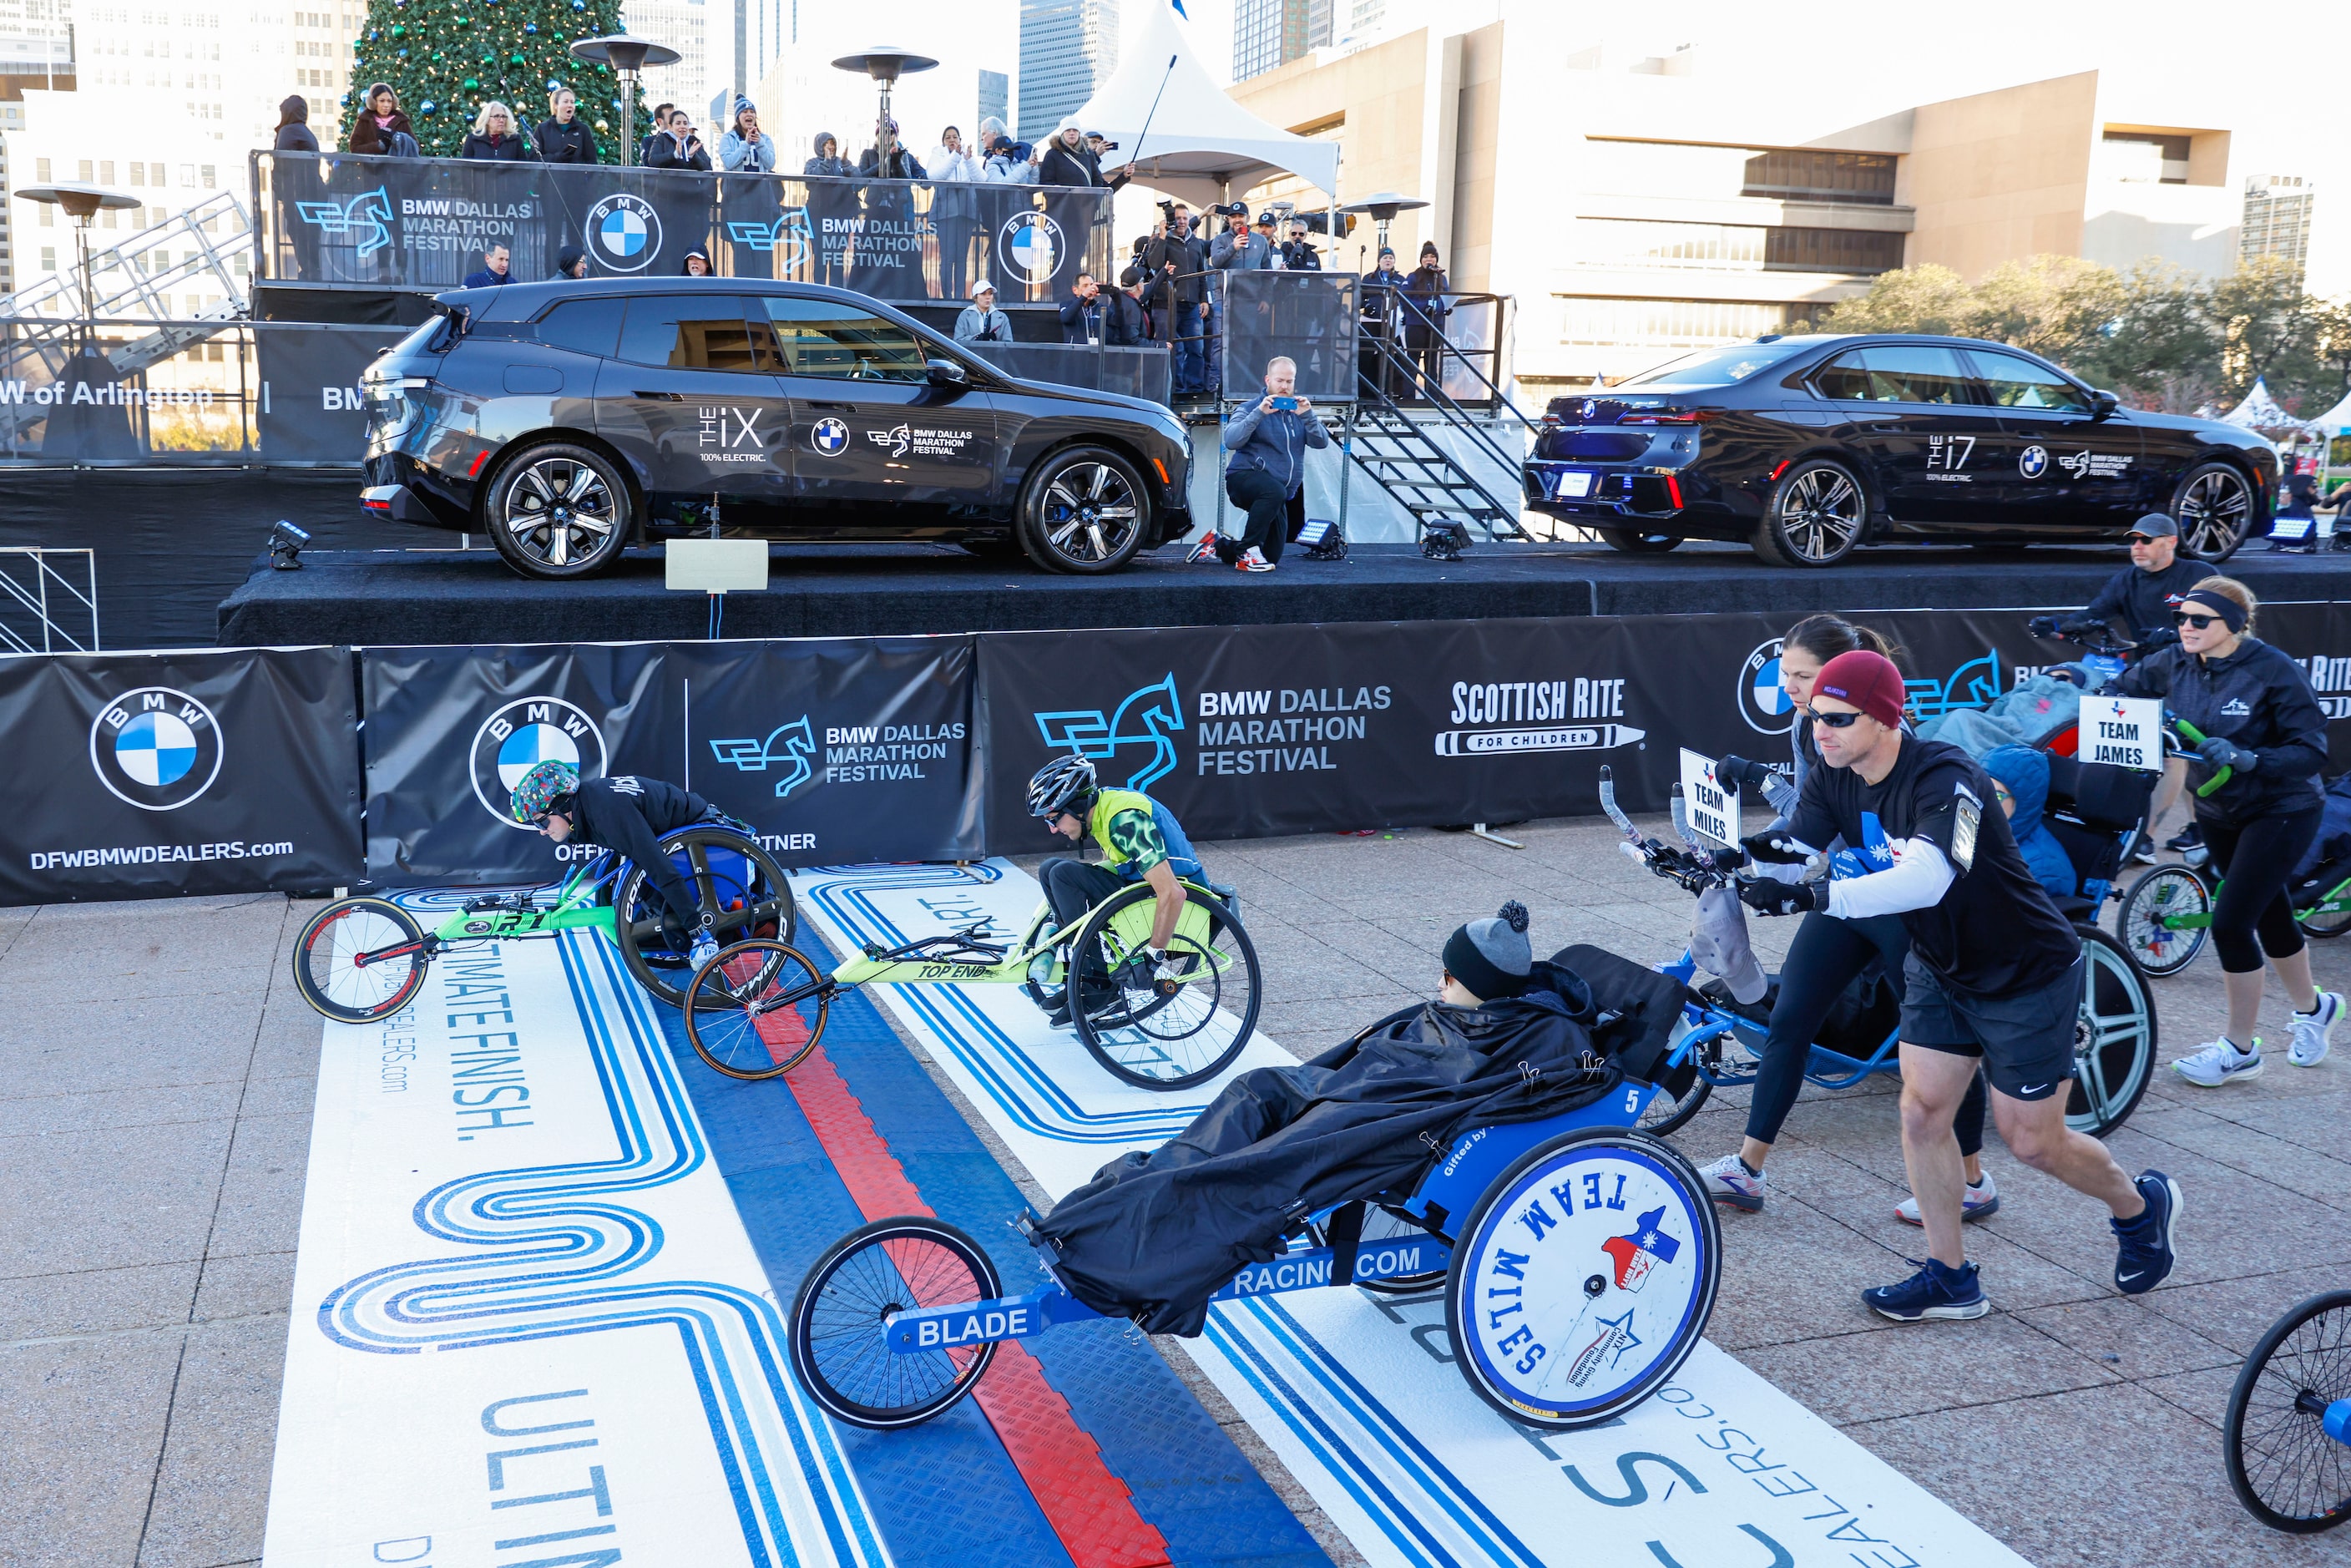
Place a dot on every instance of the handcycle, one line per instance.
(364, 958)
(759, 1006)
(2286, 1434)
(1579, 1258)
(2114, 1035)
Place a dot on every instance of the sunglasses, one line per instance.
(2181, 618)
(1835, 720)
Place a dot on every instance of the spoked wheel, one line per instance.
(1665, 1114)
(756, 1009)
(1083, 510)
(2289, 1471)
(1815, 516)
(2331, 916)
(360, 959)
(1166, 1034)
(843, 1313)
(1584, 1279)
(2215, 511)
(2160, 896)
(1387, 1225)
(2114, 1037)
(739, 892)
(558, 511)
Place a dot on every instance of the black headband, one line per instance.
(2228, 609)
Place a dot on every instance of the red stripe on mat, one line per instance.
(1089, 1507)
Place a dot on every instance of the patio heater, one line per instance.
(81, 202)
(885, 64)
(1383, 207)
(627, 57)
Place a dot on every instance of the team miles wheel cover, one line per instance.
(735, 882)
(1584, 1279)
(2114, 1037)
(329, 980)
(2167, 891)
(843, 1310)
(2283, 1466)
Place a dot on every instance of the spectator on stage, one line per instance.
(1178, 258)
(828, 163)
(1009, 162)
(661, 128)
(494, 140)
(696, 264)
(493, 270)
(379, 130)
(563, 136)
(1425, 312)
(1297, 256)
(678, 147)
(886, 158)
(954, 212)
(1068, 160)
(980, 321)
(1125, 323)
(1375, 309)
(1265, 476)
(294, 126)
(1241, 249)
(571, 262)
(1082, 313)
(745, 148)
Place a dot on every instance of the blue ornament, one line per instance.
(530, 27)
(403, 54)
(427, 107)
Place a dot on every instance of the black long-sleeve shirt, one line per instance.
(2144, 600)
(629, 814)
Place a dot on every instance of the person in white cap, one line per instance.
(980, 321)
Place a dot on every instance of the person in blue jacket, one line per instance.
(1266, 475)
(2020, 777)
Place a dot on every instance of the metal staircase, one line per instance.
(1398, 452)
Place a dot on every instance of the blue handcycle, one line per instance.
(1579, 1260)
(2287, 1430)
(2114, 1038)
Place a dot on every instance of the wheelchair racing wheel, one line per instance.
(841, 1316)
(2285, 1461)
(2324, 923)
(2167, 890)
(1383, 1224)
(738, 888)
(1169, 1034)
(326, 968)
(1584, 1278)
(2114, 1037)
(756, 1009)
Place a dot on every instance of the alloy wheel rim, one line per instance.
(1818, 515)
(560, 511)
(2098, 1032)
(1089, 513)
(2213, 512)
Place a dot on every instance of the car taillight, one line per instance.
(1674, 491)
(1672, 416)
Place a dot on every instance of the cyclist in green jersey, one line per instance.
(1139, 839)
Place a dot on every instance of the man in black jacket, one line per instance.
(627, 814)
(1082, 311)
(1297, 256)
(1123, 325)
(1180, 258)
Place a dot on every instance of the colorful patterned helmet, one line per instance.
(1064, 784)
(540, 789)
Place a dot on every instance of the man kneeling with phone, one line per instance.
(1266, 475)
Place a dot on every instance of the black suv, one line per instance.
(1808, 447)
(570, 420)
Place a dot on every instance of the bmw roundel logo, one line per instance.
(2033, 462)
(829, 436)
(623, 232)
(1590, 408)
(155, 749)
(1762, 700)
(1032, 246)
(524, 734)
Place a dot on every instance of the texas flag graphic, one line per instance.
(1636, 1254)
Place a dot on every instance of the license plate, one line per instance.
(1574, 484)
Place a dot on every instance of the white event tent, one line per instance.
(2260, 410)
(1201, 146)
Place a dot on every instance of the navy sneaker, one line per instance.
(1935, 1291)
(2144, 1253)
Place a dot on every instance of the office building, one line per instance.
(682, 25)
(2276, 218)
(995, 98)
(1066, 47)
(1270, 33)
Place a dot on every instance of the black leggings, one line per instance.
(1824, 958)
(2256, 860)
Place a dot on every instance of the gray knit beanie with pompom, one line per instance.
(1492, 958)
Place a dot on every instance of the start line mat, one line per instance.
(1358, 1395)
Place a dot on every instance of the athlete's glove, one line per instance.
(1738, 773)
(2163, 638)
(1768, 897)
(1169, 966)
(2222, 753)
(1773, 848)
(2043, 626)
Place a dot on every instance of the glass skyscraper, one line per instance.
(1270, 33)
(1068, 47)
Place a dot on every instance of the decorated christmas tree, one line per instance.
(445, 58)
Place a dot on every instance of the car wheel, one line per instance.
(1638, 544)
(2214, 509)
(558, 511)
(1083, 510)
(1814, 517)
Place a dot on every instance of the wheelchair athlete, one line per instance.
(1141, 842)
(627, 814)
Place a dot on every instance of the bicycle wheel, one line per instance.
(756, 1009)
(335, 970)
(2288, 1470)
(841, 1315)
(1386, 1225)
(2164, 893)
(1165, 1034)
(739, 891)
(1664, 1115)
(2114, 1037)
(2324, 922)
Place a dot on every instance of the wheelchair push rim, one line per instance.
(2282, 1463)
(327, 971)
(841, 1316)
(1584, 1279)
(2166, 892)
(756, 1009)
(1171, 1035)
(2114, 1037)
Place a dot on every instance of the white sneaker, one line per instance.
(1728, 1180)
(2310, 1030)
(1976, 1202)
(704, 949)
(1206, 550)
(2220, 1062)
(1253, 559)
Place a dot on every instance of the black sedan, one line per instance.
(1809, 447)
(570, 420)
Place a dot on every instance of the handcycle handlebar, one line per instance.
(1696, 868)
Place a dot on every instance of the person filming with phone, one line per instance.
(1266, 475)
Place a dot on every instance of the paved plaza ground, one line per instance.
(156, 1088)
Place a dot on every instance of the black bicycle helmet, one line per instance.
(1064, 784)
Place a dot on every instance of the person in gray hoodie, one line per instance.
(827, 160)
(980, 321)
(1266, 475)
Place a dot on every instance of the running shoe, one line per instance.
(2144, 1252)
(1206, 550)
(1728, 1180)
(1977, 1202)
(2312, 1030)
(1934, 1292)
(2143, 851)
(1253, 559)
(2220, 1062)
(2192, 836)
(705, 948)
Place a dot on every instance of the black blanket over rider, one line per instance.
(1152, 1235)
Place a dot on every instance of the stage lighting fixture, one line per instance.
(1443, 540)
(285, 542)
(1323, 539)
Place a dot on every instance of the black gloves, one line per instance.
(2222, 753)
(2164, 638)
(2043, 626)
(2068, 626)
(1773, 848)
(1768, 897)
(1738, 773)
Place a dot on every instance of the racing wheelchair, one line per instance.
(364, 958)
(2095, 810)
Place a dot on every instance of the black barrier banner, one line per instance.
(834, 750)
(199, 772)
(309, 409)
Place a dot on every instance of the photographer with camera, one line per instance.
(1177, 260)
(1297, 256)
(1267, 472)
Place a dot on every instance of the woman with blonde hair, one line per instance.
(494, 138)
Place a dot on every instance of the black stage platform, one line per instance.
(448, 596)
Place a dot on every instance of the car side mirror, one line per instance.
(948, 374)
(2103, 403)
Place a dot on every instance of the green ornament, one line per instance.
(471, 85)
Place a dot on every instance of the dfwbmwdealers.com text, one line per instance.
(154, 855)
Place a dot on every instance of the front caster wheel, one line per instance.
(841, 1321)
(756, 1009)
(360, 959)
